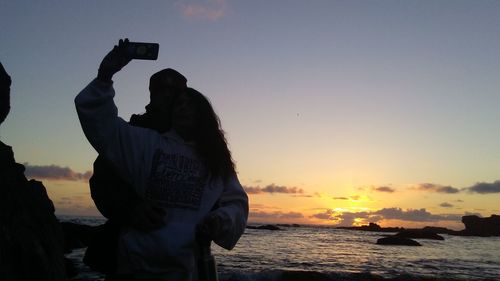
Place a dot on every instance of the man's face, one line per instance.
(4, 93)
(161, 97)
(161, 93)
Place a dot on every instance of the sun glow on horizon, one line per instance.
(359, 222)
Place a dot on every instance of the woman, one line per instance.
(187, 171)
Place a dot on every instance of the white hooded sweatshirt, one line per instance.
(165, 169)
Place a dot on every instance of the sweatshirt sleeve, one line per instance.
(233, 211)
(123, 145)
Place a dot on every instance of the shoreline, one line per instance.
(474, 226)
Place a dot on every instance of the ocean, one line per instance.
(342, 255)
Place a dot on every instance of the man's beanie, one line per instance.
(167, 78)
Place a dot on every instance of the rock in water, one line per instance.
(394, 240)
(419, 234)
(477, 226)
(267, 227)
(76, 235)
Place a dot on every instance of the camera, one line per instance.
(143, 51)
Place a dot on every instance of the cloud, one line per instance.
(384, 189)
(446, 205)
(304, 196)
(54, 172)
(411, 215)
(436, 188)
(350, 218)
(272, 188)
(256, 207)
(75, 200)
(352, 197)
(209, 10)
(276, 215)
(252, 189)
(485, 188)
(417, 215)
(347, 218)
(326, 215)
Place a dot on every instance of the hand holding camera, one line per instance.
(122, 54)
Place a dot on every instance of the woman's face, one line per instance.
(161, 98)
(184, 116)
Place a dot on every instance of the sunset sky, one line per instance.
(336, 112)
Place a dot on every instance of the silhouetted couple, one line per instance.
(166, 180)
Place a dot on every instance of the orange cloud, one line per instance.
(210, 10)
(272, 188)
(54, 172)
(408, 215)
(276, 217)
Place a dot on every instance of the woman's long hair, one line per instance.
(208, 136)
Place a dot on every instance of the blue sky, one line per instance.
(329, 96)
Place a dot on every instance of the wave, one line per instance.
(290, 275)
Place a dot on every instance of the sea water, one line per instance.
(345, 254)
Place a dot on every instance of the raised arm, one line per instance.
(121, 144)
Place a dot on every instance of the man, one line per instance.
(31, 245)
(113, 196)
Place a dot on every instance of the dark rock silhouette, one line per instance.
(474, 226)
(267, 227)
(289, 225)
(477, 226)
(438, 230)
(30, 234)
(372, 227)
(76, 235)
(395, 240)
(71, 269)
(419, 234)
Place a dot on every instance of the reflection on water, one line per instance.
(348, 251)
(322, 249)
